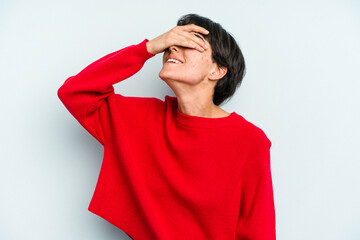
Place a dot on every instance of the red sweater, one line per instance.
(167, 175)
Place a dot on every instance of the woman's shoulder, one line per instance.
(254, 132)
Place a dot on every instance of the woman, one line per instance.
(182, 168)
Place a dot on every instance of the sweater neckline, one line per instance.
(203, 122)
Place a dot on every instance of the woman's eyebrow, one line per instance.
(199, 36)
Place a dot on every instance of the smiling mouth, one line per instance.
(173, 60)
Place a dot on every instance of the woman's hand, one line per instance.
(180, 36)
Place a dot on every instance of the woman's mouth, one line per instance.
(172, 60)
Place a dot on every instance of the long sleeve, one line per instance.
(257, 211)
(86, 95)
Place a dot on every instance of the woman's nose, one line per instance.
(174, 48)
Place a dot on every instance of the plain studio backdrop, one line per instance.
(301, 87)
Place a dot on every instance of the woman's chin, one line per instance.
(165, 74)
(170, 75)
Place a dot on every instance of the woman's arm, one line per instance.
(257, 211)
(86, 94)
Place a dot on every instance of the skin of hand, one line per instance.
(179, 36)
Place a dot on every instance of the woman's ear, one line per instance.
(218, 73)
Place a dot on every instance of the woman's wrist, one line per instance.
(149, 48)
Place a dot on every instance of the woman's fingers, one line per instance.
(199, 39)
(196, 41)
(187, 36)
(194, 32)
(189, 40)
(195, 28)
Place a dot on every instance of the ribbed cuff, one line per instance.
(143, 43)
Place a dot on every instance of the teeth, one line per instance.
(173, 60)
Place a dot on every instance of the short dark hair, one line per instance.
(225, 53)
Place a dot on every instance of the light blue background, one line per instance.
(301, 87)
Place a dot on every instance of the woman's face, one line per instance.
(195, 66)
